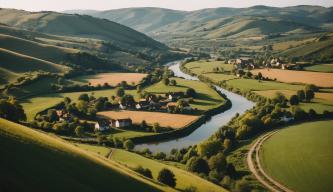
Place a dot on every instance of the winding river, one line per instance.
(239, 105)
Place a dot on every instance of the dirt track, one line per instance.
(256, 168)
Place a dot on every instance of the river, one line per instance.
(239, 105)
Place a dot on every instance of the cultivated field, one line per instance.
(111, 78)
(206, 99)
(307, 164)
(184, 179)
(164, 119)
(69, 165)
(289, 76)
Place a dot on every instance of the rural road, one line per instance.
(255, 167)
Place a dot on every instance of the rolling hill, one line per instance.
(34, 161)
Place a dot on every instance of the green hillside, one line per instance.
(33, 161)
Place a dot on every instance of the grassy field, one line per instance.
(255, 85)
(100, 150)
(307, 164)
(200, 67)
(36, 104)
(111, 78)
(206, 99)
(34, 161)
(306, 77)
(184, 178)
(327, 68)
(164, 119)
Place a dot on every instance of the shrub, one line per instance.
(198, 165)
(129, 145)
(144, 171)
(217, 162)
(167, 177)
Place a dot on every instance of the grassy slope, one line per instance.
(21, 63)
(328, 68)
(184, 179)
(33, 161)
(307, 164)
(207, 98)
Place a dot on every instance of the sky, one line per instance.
(188, 5)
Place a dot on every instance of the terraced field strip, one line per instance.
(256, 168)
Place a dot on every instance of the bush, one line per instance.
(129, 145)
(209, 148)
(190, 92)
(198, 165)
(145, 172)
(167, 177)
(217, 162)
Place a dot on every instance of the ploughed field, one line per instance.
(290, 76)
(164, 119)
(301, 156)
(111, 78)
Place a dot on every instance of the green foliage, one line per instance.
(120, 92)
(294, 100)
(11, 110)
(217, 162)
(167, 177)
(198, 165)
(209, 148)
(144, 171)
(129, 145)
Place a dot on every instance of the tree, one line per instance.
(209, 148)
(120, 92)
(217, 162)
(301, 95)
(84, 97)
(190, 92)
(145, 172)
(129, 145)
(173, 82)
(242, 186)
(198, 165)
(293, 100)
(309, 95)
(167, 177)
(82, 106)
(156, 127)
(52, 115)
(166, 81)
(79, 130)
(11, 110)
(259, 75)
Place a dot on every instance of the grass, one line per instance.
(200, 67)
(206, 99)
(164, 119)
(327, 68)
(111, 78)
(307, 164)
(36, 104)
(184, 178)
(100, 150)
(255, 85)
(34, 161)
(127, 134)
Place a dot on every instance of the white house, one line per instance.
(102, 125)
(120, 123)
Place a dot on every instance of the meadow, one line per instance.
(184, 179)
(290, 76)
(111, 78)
(200, 67)
(327, 68)
(71, 168)
(164, 119)
(207, 98)
(307, 164)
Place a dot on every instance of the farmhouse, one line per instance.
(142, 104)
(175, 96)
(120, 123)
(63, 115)
(102, 125)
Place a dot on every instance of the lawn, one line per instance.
(111, 78)
(100, 150)
(327, 68)
(199, 67)
(184, 178)
(290, 76)
(207, 98)
(255, 85)
(301, 156)
(164, 119)
(36, 104)
(127, 134)
(219, 77)
(51, 164)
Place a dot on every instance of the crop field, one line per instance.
(327, 68)
(307, 164)
(164, 119)
(70, 166)
(111, 78)
(36, 104)
(200, 67)
(184, 179)
(207, 98)
(318, 78)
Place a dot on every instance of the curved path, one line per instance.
(255, 167)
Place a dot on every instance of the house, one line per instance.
(142, 104)
(175, 96)
(63, 115)
(286, 119)
(120, 123)
(102, 125)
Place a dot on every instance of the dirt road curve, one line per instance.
(255, 167)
